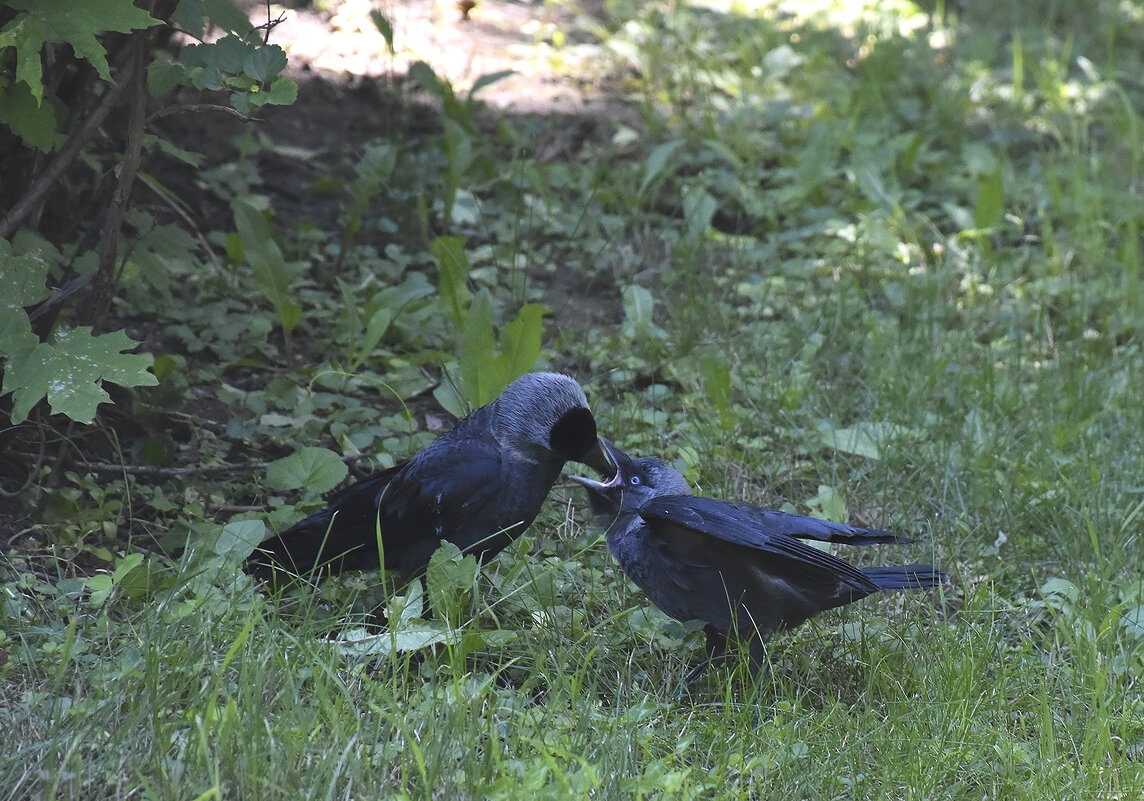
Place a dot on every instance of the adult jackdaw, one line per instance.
(741, 569)
(479, 486)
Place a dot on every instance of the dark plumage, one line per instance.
(741, 569)
(479, 486)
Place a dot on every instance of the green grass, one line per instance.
(917, 293)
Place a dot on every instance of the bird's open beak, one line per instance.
(600, 458)
(609, 460)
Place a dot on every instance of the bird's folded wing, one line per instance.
(723, 521)
(445, 489)
(812, 528)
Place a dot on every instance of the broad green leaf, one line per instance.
(424, 76)
(69, 371)
(520, 343)
(449, 581)
(1132, 623)
(856, 440)
(656, 163)
(192, 16)
(75, 22)
(267, 262)
(238, 539)
(265, 62)
(23, 275)
(453, 274)
(639, 311)
(863, 439)
(317, 469)
(990, 201)
(283, 92)
(699, 208)
(716, 382)
(489, 80)
(828, 503)
(32, 121)
(477, 350)
(384, 27)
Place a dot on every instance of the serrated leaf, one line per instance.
(23, 276)
(32, 121)
(75, 22)
(163, 76)
(69, 371)
(317, 469)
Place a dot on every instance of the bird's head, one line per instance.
(635, 481)
(546, 415)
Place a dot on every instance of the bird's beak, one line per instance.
(610, 459)
(600, 457)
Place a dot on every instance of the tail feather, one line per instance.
(905, 577)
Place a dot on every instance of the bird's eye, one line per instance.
(635, 481)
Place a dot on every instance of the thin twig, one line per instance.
(167, 111)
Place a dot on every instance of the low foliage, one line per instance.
(882, 268)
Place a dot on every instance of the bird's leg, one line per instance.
(716, 647)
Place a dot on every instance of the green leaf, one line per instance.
(192, 16)
(69, 371)
(656, 163)
(520, 343)
(264, 63)
(990, 201)
(639, 310)
(453, 274)
(863, 439)
(283, 92)
(238, 539)
(489, 80)
(317, 469)
(476, 351)
(381, 22)
(32, 121)
(449, 580)
(828, 504)
(24, 273)
(75, 22)
(424, 76)
(1132, 623)
(267, 262)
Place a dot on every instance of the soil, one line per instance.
(352, 89)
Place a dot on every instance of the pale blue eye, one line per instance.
(635, 481)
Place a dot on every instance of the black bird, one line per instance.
(741, 569)
(479, 486)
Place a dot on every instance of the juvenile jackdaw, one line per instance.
(479, 486)
(741, 569)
